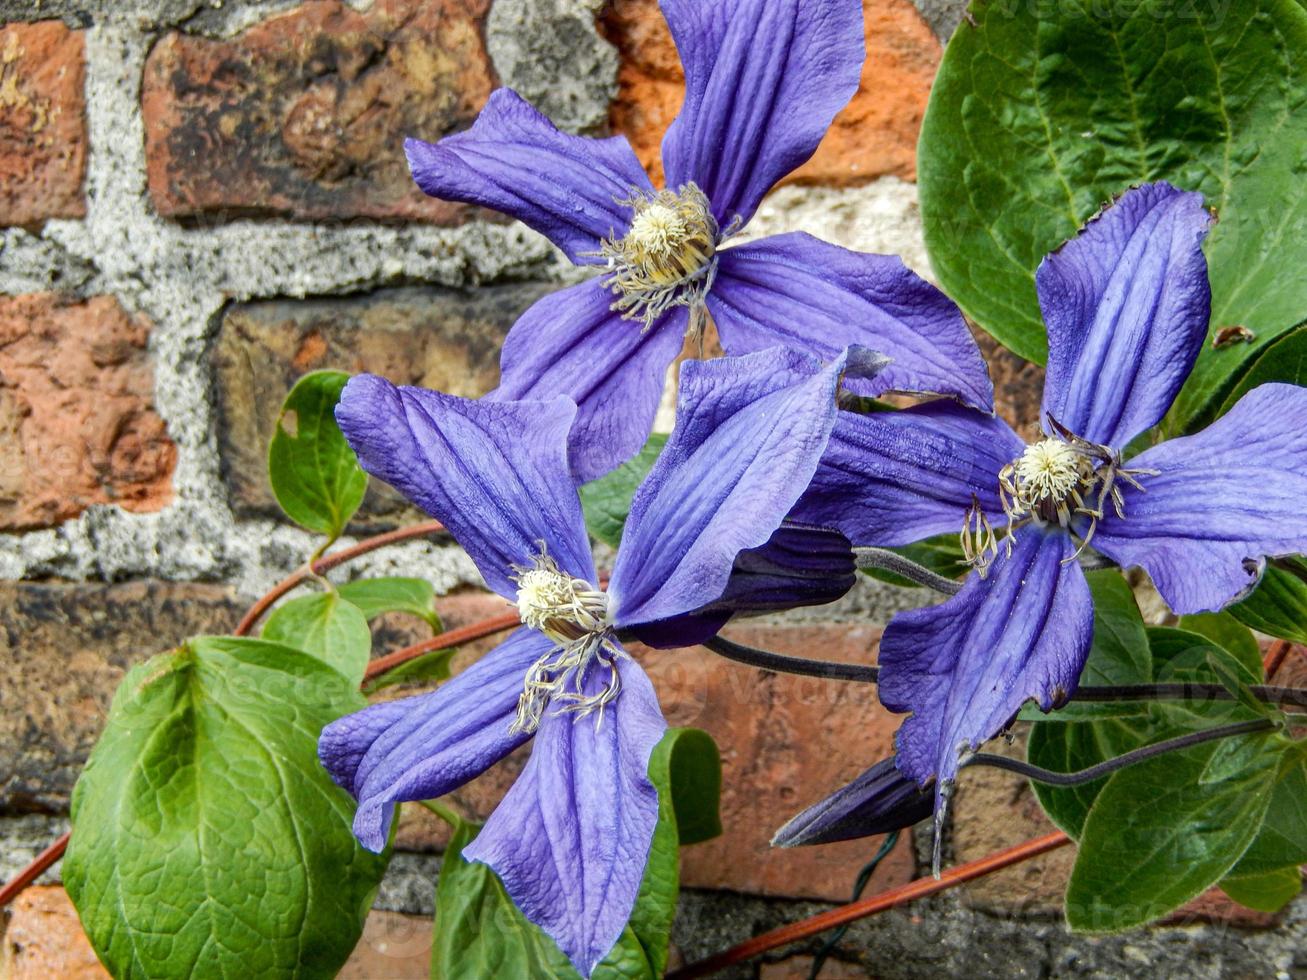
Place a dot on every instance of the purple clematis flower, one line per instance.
(1126, 303)
(571, 839)
(764, 79)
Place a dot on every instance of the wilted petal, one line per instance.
(749, 432)
(891, 478)
(1126, 303)
(572, 343)
(426, 746)
(494, 473)
(1222, 501)
(796, 291)
(515, 161)
(879, 801)
(763, 80)
(571, 839)
(964, 667)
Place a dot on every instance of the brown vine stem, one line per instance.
(890, 899)
(451, 638)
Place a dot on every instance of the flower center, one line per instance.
(1048, 473)
(667, 257)
(574, 615)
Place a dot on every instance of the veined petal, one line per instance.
(1126, 303)
(426, 746)
(572, 343)
(796, 291)
(892, 478)
(763, 80)
(494, 473)
(515, 161)
(749, 433)
(879, 801)
(571, 839)
(1222, 501)
(964, 667)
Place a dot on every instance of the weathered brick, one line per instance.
(438, 338)
(42, 123)
(875, 135)
(77, 422)
(63, 650)
(304, 115)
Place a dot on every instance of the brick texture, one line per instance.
(443, 339)
(42, 123)
(875, 135)
(77, 422)
(304, 115)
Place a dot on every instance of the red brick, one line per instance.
(42, 123)
(304, 115)
(874, 136)
(77, 422)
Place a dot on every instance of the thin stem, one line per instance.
(890, 899)
(40, 864)
(1184, 691)
(892, 561)
(1121, 761)
(441, 641)
(766, 660)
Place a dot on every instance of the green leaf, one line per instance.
(694, 782)
(1285, 360)
(1278, 606)
(207, 839)
(1070, 748)
(1282, 840)
(1231, 635)
(1165, 830)
(1181, 654)
(1043, 112)
(433, 666)
(326, 626)
(941, 554)
(1266, 892)
(315, 476)
(378, 596)
(607, 501)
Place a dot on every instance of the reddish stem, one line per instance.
(893, 898)
(33, 871)
(450, 638)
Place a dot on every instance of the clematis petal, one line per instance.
(571, 839)
(572, 343)
(891, 478)
(749, 433)
(494, 473)
(964, 667)
(1221, 502)
(879, 801)
(1126, 303)
(515, 161)
(422, 747)
(798, 566)
(763, 80)
(796, 291)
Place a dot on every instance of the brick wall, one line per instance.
(201, 199)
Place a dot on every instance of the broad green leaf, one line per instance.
(1266, 892)
(694, 774)
(1231, 635)
(433, 666)
(941, 554)
(1285, 360)
(1042, 112)
(1181, 654)
(326, 626)
(607, 501)
(378, 596)
(1165, 830)
(1070, 748)
(315, 476)
(207, 839)
(1278, 606)
(1282, 840)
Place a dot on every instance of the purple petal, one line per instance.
(1126, 303)
(1222, 501)
(494, 473)
(879, 801)
(749, 432)
(515, 161)
(964, 667)
(796, 291)
(891, 478)
(572, 343)
(426, 746)
(763, 80)
(571, 839)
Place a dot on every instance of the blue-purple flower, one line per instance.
(1126, 304)
(571, 838)
(764, 79)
